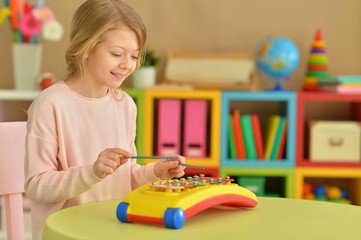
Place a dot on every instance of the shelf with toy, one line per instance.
(316, 189)
(321, 106)
(265, 181)
(185, 122)
(344, 178)
(264, 105)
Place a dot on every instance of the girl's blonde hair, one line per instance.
(91, 20)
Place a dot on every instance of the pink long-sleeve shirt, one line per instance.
(66, 133)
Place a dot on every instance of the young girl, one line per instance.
(82, 129)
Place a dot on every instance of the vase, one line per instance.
(26, 65)
(144, 77)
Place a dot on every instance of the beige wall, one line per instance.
(222, 26)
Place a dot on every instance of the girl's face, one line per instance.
(113, 59)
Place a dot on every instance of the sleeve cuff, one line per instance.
(150, 172)
(93, 178)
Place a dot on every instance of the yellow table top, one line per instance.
(273, 218)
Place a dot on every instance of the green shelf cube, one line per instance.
(253, 183)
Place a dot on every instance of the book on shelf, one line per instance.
(328, 81)
(340, 80)
(349, 79)
(238, 135)
(283, 142)
(249, 142)
(270, 136)
(349, 89)
(279, 136)
(257, 133)
(232, 147)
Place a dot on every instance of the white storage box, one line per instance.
(335, 141)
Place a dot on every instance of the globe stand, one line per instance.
(278, 87)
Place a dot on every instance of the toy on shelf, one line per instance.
(277, 59)
(325, 193)
(174, 201)
(317, 64)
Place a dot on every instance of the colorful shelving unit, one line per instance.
(294, 169)
(213, 99)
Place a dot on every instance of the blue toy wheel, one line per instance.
(122, 212)
(174, 218)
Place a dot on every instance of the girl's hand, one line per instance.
(109, 160)
(169, 168)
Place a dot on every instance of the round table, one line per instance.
(273, 218)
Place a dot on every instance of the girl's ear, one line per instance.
(86, 55)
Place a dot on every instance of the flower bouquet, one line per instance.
(29, 22)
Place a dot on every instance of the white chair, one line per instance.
(12, 151)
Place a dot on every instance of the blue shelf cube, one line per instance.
(283, 103)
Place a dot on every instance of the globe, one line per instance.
(277, 59)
